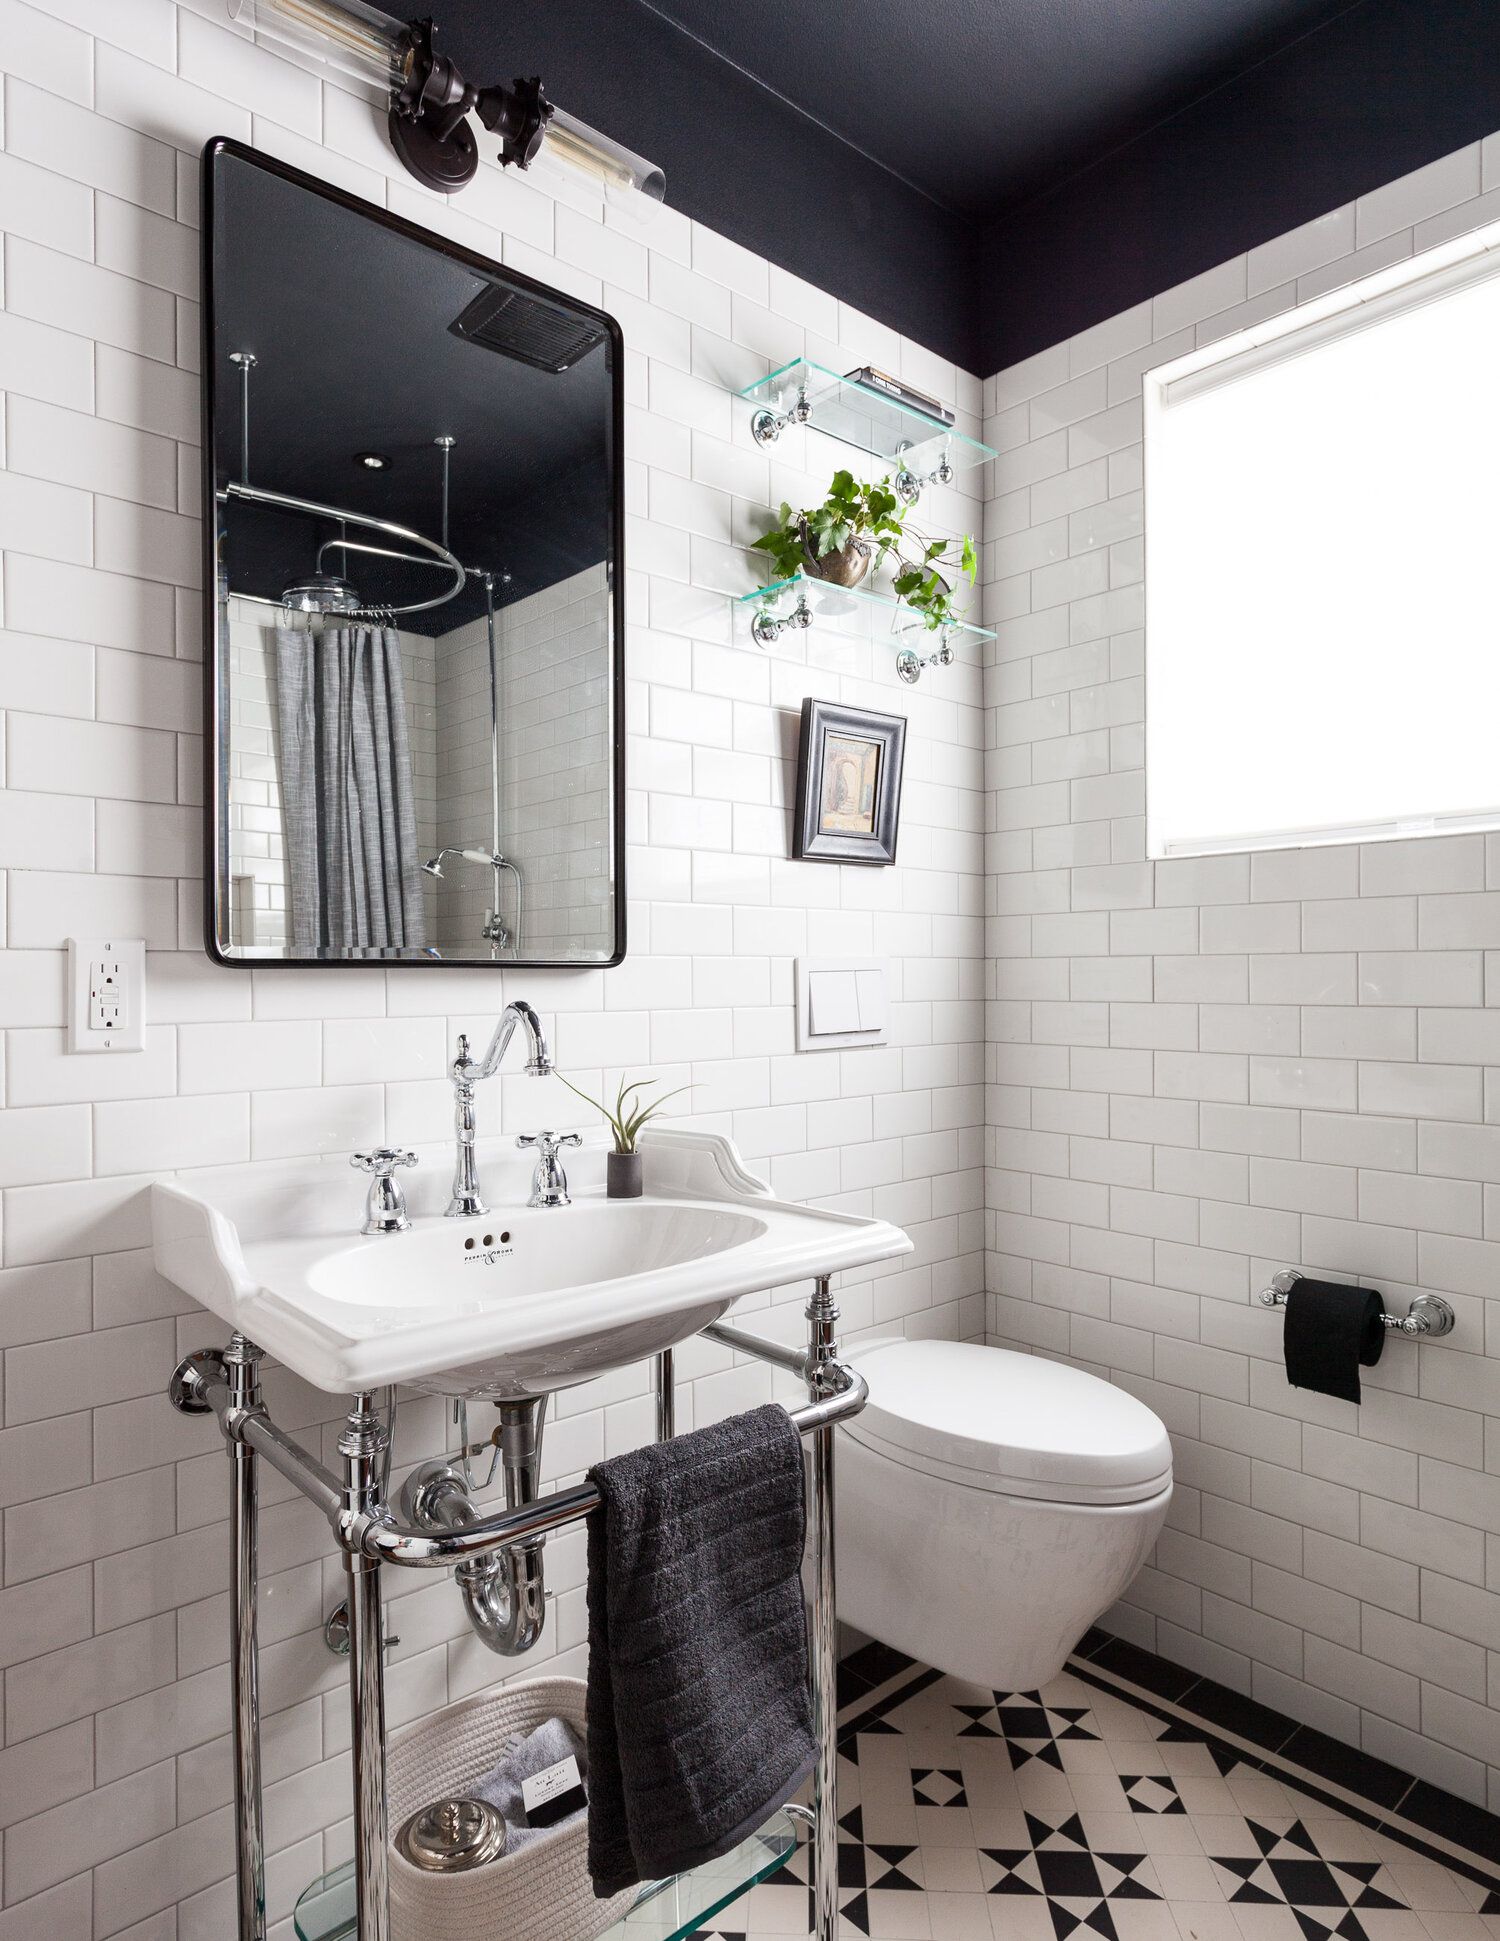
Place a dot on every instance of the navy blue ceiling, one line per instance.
(989, 176)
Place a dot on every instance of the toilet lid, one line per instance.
(1016, 1424)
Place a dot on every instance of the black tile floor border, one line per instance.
(1393, 1801)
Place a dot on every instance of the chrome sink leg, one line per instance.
(666, 1396)
(823, 1347)
(242, 1367)
(363, 1446)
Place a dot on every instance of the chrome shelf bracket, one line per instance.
(766, 629)
(767, 426)
(908, 484)
(909, 663)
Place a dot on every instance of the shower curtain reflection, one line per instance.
(348, 803)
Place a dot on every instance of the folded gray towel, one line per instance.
(699, 1707)
(554, 1739)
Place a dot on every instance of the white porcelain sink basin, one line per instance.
(432, 1267)
(516, 1303)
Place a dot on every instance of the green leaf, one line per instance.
(603, 1110)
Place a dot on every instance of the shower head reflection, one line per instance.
(487, 859)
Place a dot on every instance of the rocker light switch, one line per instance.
(841, 1002)
(833, 1002)
(870, 985)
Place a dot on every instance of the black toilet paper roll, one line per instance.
(1331, 1331)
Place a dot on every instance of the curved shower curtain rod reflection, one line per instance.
(327, 593)
(436, 555)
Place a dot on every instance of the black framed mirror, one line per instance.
(413, 483)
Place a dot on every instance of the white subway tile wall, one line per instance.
(114, 1760)
(1202, 1071)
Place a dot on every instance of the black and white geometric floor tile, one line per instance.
(1326, 1895)
(1088, 1844)
(1077, 1882)
(1030, 1729)
(1152, 1793)
(941, 1786)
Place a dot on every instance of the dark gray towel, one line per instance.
(699, 1707)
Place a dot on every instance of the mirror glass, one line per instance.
(415, 476)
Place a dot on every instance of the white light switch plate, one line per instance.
(842, 1002)
(106, 994)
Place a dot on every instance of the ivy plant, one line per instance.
(922, 567)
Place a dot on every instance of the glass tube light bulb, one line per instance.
(355, 38)
(626, 178)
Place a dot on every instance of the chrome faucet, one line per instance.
(385, 1203)
(549, 1183)
(466, 1074)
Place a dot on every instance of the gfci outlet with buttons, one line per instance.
(106, 995)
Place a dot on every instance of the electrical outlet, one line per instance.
(106, 995)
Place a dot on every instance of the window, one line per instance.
(1323, 568)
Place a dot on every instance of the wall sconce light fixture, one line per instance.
(431, 101)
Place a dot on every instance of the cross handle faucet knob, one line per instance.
(549, 1183)
(385, 1203)
(382, 1160)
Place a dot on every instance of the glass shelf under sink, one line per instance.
(666, 1910)
(909, 440)
(326, 1910)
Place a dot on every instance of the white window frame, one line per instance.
(1358, 306)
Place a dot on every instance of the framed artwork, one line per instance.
(848, 784)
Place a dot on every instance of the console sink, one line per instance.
(512, 1304)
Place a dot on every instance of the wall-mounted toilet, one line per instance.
(991, 1506)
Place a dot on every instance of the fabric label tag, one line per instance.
(553, 1793)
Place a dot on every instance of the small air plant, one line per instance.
(628, 1116)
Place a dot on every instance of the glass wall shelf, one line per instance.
(920, 449)
(789, 605)
(666, 1910)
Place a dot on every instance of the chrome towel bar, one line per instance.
(1429, 1314)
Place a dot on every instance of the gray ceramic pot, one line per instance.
(623, 1176)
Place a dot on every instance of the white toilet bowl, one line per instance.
(991, 1505)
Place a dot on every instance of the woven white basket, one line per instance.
(542, 1892)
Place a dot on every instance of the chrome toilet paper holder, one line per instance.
(1429, 1314)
